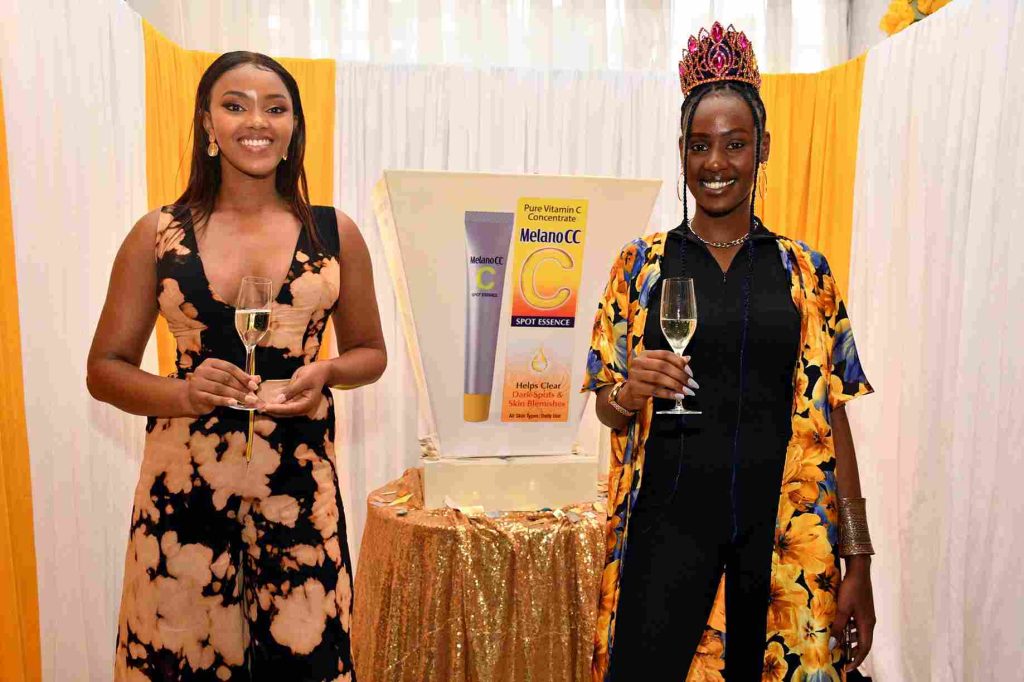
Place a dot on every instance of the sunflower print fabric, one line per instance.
(235, 569)
(805, 561)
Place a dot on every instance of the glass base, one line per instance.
(243, 408)
(679, 410)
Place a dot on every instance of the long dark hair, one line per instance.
(752, 97)
(204, 176)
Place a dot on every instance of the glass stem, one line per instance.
(249, 364)
(679, 401)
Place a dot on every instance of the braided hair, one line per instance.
(752, 97)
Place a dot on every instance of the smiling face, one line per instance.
(251, 118)
(719, 153)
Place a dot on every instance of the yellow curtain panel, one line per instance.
(814, 120)
(19, 612)
(172, 76)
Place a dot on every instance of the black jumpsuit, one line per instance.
(682, 527)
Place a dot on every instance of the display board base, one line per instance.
(511, 483)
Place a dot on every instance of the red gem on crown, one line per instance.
(724, 54)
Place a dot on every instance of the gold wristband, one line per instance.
(854, 537)
(615, 404)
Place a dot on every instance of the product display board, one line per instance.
(497, 279)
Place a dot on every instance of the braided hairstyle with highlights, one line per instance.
(752, 97)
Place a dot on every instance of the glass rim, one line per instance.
(254, 278)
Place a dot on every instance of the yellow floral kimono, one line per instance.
(805, 561)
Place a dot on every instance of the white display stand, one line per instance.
(484, 450)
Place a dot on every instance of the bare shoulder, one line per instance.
(142, 237)
(349, 235)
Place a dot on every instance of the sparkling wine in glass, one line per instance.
(252, 319)
(678, 322)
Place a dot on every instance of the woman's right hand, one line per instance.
(218, 383)
(656, 373)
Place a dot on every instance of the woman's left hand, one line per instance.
(856, 601)
(302, 393)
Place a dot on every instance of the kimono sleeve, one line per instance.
(848, 380)
(607, 357)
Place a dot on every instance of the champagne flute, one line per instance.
(678, 322)
(252, 319)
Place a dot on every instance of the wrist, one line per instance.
(184, 399)
(322, 370)
(626, 398)
(858, 564)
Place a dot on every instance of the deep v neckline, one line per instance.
(209, 285)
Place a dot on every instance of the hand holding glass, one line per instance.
(678, 322)
(252, 319)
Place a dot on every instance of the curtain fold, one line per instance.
(937, 302)
(172, 76)
(789, 35)
(19, 611)
(813, 120)
(73, 98)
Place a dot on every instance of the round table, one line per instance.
(442, 596)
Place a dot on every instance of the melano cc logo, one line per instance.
(528, 278)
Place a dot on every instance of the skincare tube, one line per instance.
(488, 236)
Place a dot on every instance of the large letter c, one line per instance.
(528, 284)
(485, 284)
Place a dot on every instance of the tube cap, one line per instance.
(476, 406)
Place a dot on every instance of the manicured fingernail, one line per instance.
(686, 391)
(253, 385)
(279, 398)
(253, 397)
(686, 357)
(678, 396)
(232, 401)
(686, 368)
(832, 643)
(692, 384)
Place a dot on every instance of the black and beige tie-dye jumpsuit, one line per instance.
(236, 569)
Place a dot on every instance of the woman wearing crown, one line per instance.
(732, 521)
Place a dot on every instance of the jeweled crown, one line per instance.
(724, 54)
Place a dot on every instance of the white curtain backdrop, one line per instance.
(789, 35)
(73, 79)
(937, 303)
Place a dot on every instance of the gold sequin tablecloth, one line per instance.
(445, 597)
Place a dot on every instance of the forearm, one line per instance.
(847, 473)
(354, 368)
(126, 387)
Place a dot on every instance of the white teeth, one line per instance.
(717, 185)
(256, 144)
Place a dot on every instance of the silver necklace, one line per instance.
(720, 245)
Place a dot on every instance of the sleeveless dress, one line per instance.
(236, 569)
